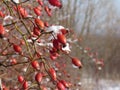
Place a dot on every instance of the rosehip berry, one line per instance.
(36, 31)
(64, 83)
(2, 14)
(46, 24)
(2, 30)
(38, 54)
(37, 10)
(48, 11)
(39, 23)
(60, 86)
(22, 11)
(64, 31)
(53, 57)
(53, 50)
(53, 74)
(61, 38)
(35, 64)
(40, 2)
(25, 85)
(20, 79)
(38, 77)
(17, 48)
(76, 62)
(4, 87)
(56, 44)
(56, 3)
(43, 87)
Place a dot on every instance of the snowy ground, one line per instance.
(90, 84)
(109, 85)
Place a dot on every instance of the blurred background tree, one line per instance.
(97, 23)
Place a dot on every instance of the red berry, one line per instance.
(76, 62)
(48, 11)
(43, 87)
(2, 14)
(38, 77)
(53, 74)
(39, 23)
(38, 54)
(2, 30)
(22, 11)
(22, 42)
(37, 10)
(40, 2)
(56, 3)
(64, 31)
(64, 83)
(36, 31)
(56, 44)
(35, 64)
(4, 87)
(53, 53)
(20, 79)
(53, 57)
(25, 85)
(17, 48)
(46, 24)
(53, 50)
(60, 86)
(13, 61)
(61, 38)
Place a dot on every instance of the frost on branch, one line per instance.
(66, 48)
(15, 1)
(55, 28)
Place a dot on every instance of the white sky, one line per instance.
(117, 4)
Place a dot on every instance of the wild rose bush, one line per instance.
(30, 47)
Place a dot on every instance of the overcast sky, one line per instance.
(117, 4)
